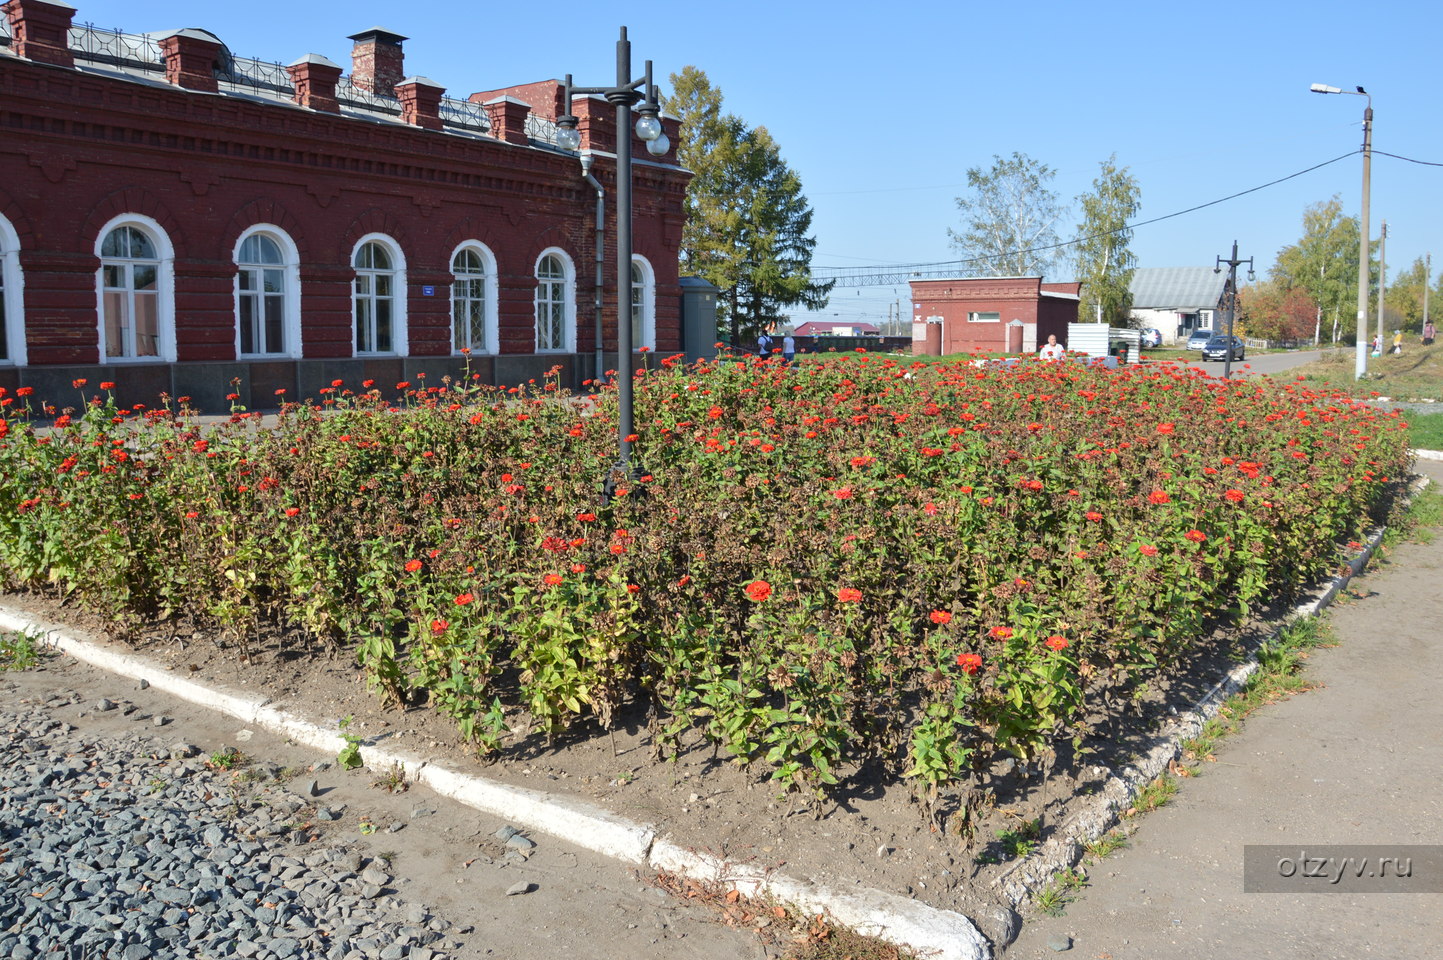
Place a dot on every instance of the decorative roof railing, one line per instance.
(141, 53)
(258, 75)
(136, 51)
(464, 114)
(352, 95)
(540, 129)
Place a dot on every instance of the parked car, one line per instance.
(1199, 339)
(1220, 348)
(1151, 337)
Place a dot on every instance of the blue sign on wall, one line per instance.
(428, 291)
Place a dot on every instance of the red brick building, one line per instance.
(176, 219)
(1014, 314)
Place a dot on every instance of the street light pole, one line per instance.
(1360, 364)
(648, 127)
(1232, 299)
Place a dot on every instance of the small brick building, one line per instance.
(977, 313)
(178, 220)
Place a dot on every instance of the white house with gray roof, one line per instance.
(1177, 300)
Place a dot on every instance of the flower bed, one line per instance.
(852, 562)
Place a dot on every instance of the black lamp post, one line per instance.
(648, 127)
(1233, 264)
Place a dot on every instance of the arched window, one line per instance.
(473, 299)
(643, 304)
(136, 291)
(555, 311)
(378, 297)
(267, 294)
(12, 299)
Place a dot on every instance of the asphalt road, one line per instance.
(1259, 363)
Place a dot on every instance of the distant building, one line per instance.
(993, 314)
(1178, 300)
(837, 328)
(181, 220)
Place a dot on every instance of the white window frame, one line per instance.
(489, 303)
(290, 266)
(643, 296)
(568, 283)
(12, 296)
(399, 340)
(984, 316)
(164, 284)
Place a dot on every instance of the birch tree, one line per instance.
(1009, 220)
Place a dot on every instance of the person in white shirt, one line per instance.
(1051, 350)
(764, 344)
(789, 348)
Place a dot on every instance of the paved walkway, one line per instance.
(1356, 761)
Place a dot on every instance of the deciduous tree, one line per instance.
(1105, 261)
(1325, 264)
(1009, 221)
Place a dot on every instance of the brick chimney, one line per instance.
(377, 63)
(40, 31)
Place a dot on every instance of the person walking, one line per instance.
(1429, 332)
(789, 348)
(764, 344)
(1397, 342)
(1051, 350)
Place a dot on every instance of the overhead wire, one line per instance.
(853, 273)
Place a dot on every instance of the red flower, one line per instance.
(862, 461)
(1093, 515)
(759, 590)
(586, 517)
(969, 662)
(552, 580)
(929, 508)
(1002, 633)
(292, 511)
(1196, 536)
(1164, 428)
(77, 384)
(1147, 549)
(107, 385)
(940, 617)
(439, 626)
(1158, 496)
(412, 566)
(632, 588)
(843, 493)
(24, 391)
(1055, 642)
(1236, 496)
(849, 595)
(578, 568)
(465, 598)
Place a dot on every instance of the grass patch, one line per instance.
(1105, 845)
(1053, 899)
(1154, 796)
(1415, 375)
(19, 651)
(1425, 431)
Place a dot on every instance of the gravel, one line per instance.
(130, 847)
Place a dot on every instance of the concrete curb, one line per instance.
(1428, 454)
(927, 930)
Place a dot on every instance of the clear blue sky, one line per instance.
(882, 108)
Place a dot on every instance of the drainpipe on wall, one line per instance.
(600, 258)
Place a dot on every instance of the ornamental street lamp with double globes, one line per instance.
(648, 127)
(1360, 363)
